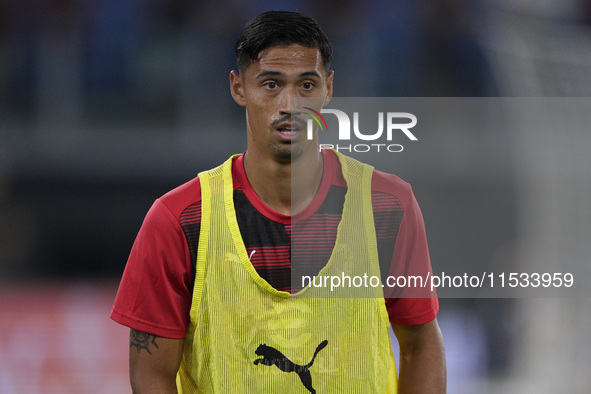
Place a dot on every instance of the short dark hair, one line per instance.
(279, 28)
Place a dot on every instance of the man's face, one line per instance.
(266, 88)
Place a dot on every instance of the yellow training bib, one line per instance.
(247, 337)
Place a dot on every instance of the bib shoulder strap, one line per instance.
(206, 180)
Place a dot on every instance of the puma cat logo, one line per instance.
(272, 356)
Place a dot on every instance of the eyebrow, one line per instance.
(280, 74)
(310, 74)
(269, 73)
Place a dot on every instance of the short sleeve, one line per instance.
(409, 300)
(154, 295)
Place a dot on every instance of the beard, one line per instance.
(288, 151)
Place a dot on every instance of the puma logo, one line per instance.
(272, 356)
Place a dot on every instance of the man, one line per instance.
(207, 290)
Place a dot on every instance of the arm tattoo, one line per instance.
(141, 340)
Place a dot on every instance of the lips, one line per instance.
(289, 130)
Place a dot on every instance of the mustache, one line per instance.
(290, 118)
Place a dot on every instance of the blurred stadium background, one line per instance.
(106, 105)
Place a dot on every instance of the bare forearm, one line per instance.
(423, 371)
(422, 359)
(153, 363)
(154, 386)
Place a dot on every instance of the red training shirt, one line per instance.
(155, 292)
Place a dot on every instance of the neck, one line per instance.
(286, 187)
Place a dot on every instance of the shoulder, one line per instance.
(188, 195)
(382, 183)
(180, 198)
(392, 186)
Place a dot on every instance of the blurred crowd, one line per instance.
(168, 60)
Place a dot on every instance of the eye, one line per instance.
(270, 85)
(308, 85)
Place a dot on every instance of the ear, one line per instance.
(237, 88)
(329, 91)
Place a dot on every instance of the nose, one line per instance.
(286, 105)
